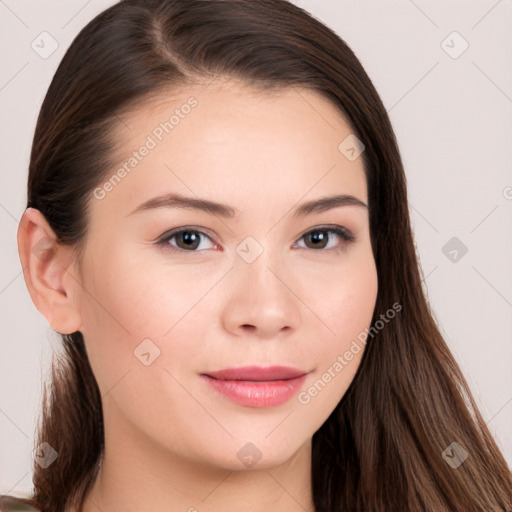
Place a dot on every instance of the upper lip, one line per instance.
(257, 373)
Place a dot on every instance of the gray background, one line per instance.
(452, 117)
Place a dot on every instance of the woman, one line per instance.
(292, 360)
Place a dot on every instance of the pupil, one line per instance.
(318, 236)
(188, 237)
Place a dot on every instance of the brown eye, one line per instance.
(319, 238)
(185, 240)
(189, 239)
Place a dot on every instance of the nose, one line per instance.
(263, 299)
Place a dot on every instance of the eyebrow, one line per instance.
(173, 200)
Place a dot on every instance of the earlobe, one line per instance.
(47, 268)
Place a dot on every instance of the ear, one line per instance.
(49, 269)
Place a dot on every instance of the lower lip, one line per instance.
(257, 393)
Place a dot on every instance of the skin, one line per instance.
(171, 440)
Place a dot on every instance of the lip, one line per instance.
(257, 373)
(257, 386)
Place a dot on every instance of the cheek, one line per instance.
(117, 312)
(126, 293)
(352, 308)
(129, 300)
(346, 308)
(344, 293)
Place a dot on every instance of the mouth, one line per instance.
(257, 373)
(257, 386)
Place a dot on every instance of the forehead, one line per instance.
(235, 144)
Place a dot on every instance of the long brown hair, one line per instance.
(381, 448)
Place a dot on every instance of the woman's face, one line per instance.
(265, 286)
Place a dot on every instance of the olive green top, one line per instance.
(13, 503)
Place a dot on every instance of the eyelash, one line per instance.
(343, 233)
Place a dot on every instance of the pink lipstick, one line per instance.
(257, 386)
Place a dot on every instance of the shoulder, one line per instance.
(13, 503)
